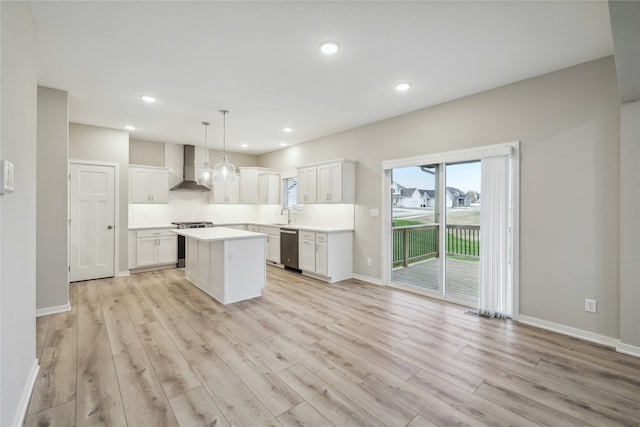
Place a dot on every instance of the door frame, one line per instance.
(116, 209)
(475, 153)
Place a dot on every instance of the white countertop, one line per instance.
(152, 227)
(306, 227)
(217, 233)
(326, 229)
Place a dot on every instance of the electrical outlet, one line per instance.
(590, 305)
(369, 262)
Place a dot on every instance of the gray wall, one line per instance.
(18, 98)
(150, 153)
(147, 153)
(568, 123)
(52, 278)
(237, 159)
(106, 145)
(630, 225)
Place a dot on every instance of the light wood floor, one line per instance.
(151, 349)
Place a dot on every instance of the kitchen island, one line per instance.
(226, 263)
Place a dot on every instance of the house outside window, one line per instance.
(289, 192)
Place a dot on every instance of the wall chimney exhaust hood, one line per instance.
(189, 172)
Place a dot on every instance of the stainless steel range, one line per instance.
(181, 240)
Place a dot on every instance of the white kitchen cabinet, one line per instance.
(148, 185)
(249, 184)
(307, 251)
(230, 269)
(156, 247)
(321, 254)
(273, 243)
(336, 182)
(273, 248)
(307, 185)
(269, 188)
(226, 191)
(326, 256)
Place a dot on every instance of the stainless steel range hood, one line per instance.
(189, 172)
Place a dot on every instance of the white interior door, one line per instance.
(91, 222)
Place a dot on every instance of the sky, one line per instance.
(464, 176)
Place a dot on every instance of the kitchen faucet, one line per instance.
(288, 214)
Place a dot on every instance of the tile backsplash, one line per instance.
(197, 206)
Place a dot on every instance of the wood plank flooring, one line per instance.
(151, 349)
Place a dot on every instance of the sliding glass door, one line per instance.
(416, 227)
(451, 226)
(436, 229)
(462, 231)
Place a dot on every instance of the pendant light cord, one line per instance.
(224, 133)
(206, 143)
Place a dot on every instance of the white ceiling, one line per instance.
(260, 60)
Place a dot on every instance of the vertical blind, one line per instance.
(495, 289)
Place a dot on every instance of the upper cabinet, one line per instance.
(334, 182)
(148, 185)
(307, 184)
(251, 186)
(269, 188)
(226, 191)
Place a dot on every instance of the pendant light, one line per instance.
(205, 175)
(224, 171)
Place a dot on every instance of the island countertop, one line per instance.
(217, 233)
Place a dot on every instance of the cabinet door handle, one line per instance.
(109, 227)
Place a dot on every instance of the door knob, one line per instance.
(109, 227)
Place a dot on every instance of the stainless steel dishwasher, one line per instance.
(289, 248)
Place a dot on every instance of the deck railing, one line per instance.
(463, 240)
(413, 243)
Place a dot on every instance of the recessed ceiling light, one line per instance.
(287, 130)
(129, 127)
(283, 144)
(148, 98)
(329, 47)
(244, 145)
(403, 86)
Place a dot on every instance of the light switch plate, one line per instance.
(374, 212)
(6, 176)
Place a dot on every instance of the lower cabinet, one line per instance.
(326, 256)
(156, 247)
(307, 251)
(321, 254)
(228, 270)
(273, 243)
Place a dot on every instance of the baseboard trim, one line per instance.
(53, 310)
(123, 273)
(23, 403)
(629, 349)
(572, 332)
(368, 279)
